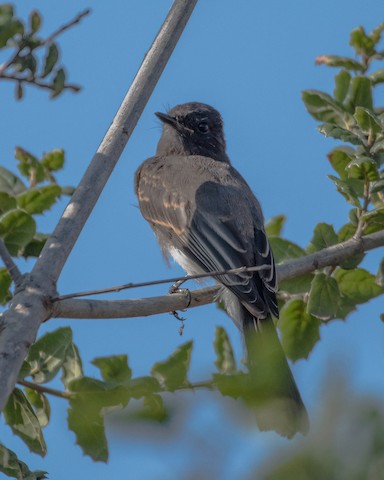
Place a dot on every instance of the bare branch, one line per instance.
(68, 25)
(9, 264)
(38, 83)
(64, 237)
(43, 389)
(150, 306)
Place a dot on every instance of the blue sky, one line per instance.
(250, 60)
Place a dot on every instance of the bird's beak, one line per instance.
(164, 117)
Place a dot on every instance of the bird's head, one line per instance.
(192, 129)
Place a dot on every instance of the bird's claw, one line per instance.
(175, 288)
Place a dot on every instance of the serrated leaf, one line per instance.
(53, 160)
(153, 409)
(38, 199)
(35, 246)
(358, 286)
(141, 386)
(5, 284)
(342, 81)
(10, 183)
(297, 285)
(47, 355)
(225, 358)
(342, 62)
(324, 297)
(284, 249)
(40, 404)
(323, 107)
(19, 415)
(377, 77)
(359, 94)
(339, 133)
(17, 229)
(58, 83)
(172, 372)
(50, 59)
(339, 158)
(114, 369)
(72, 365)
(35, 21)
(361, 42)
(324, 236)
(275, 225)
(349, 188)
(11, 466)
(29, 166)
(300, 330)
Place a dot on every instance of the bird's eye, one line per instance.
(203, 127)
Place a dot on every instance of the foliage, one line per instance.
(306, 302)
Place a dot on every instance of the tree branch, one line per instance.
(86, 309)
(65, 235)
(38, 83)
(43, 389)
(9, 264)
(32, 303)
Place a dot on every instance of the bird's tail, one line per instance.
(278, 404)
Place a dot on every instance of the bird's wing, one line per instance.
(217, 228)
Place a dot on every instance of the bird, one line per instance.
(205, 216)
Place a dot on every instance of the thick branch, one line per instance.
(9, 264)
(72, 308)
(65, 235)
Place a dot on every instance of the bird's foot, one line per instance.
(175, 288)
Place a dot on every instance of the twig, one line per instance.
(33, 81)
(198, 276)
(87, 309)
(68, 25)
(10, 265)
(43, 389)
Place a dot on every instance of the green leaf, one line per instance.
(50, 59)
(374, 220)
(300, 330)
(35, 21)
(17, 229)
(349, 188)
(339, 133)
(339, 158)
(9, 26)
(29, 166)
(358, 286)
(380, 274)
(11, 466)
(368, 121)
(297, 285)
(225, 358)
(377, 77)
(153, 409)
(114, 369)
(342, 81)
(35, 246)
(361, 42)
(40, 404)
(359, 94)
(141, 386)
(19, 415)
(342, 62)
(324, 297)
(363, 168)
(275, 225)
(284, 249)
(53, 160)
(72, 365)
(172, 372)
(38, 199)
(58, 83)
(10, 183)
(7, 202)
(19, 91)
(323, 107)
(5, 284)
(378, 186)
(324, 236)
(47, 355)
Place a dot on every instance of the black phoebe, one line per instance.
(206, 217)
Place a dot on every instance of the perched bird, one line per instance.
(206, 217)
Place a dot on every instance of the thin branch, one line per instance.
(10, 265)
(37, 83)
(127, 286)
(87, 309)
(68, 25)
(43, 389)
(65, 235)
